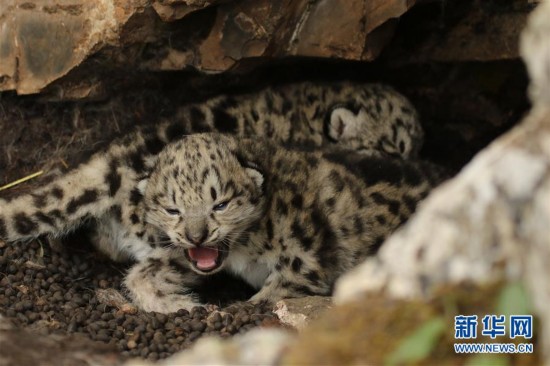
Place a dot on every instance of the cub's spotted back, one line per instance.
(361, 117)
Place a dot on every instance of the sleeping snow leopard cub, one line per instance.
(288, 222)
(363, 117)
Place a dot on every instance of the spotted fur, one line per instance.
(361, 117)
(288, 222)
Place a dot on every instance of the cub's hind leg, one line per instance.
(162, 283)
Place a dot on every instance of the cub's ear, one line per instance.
(338, 123)
(256, 175)
(253, 170)
(142, 185)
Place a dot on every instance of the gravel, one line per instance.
(72, 291)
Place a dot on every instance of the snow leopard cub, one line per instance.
(287, 222)
(361, 117)
(368, 118)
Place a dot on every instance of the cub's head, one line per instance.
(376, 118)
(203, 198)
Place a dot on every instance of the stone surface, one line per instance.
(170, 10)
(298, 313)
(28, 31)
(535, 50)
(209, 35)
(475, 30)
(490, 222)
(360, 333)
(257, 347)
(264, 28)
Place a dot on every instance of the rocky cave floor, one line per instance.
(75, 291)
(67, 288)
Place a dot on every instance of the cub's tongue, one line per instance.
(205, 257)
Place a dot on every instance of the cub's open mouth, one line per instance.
(206, 259)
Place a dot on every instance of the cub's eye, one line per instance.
(221, 206)
(172, 211)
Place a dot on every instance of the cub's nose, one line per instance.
(196, 238)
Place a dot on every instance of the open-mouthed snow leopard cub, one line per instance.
(370, 118)
(288, 222)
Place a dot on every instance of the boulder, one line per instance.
(80, 41)
(298, 313)
(489, 223)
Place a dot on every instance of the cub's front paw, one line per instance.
(156, 285)
(167, 304)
